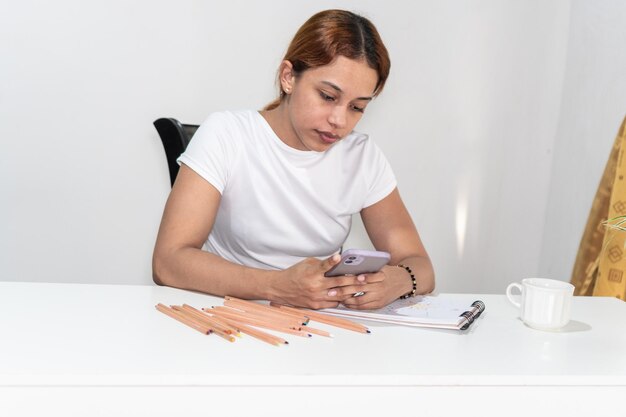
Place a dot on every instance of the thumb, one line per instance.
(330, 262)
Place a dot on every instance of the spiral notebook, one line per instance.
(422, 311)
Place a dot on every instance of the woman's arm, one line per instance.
(391, 229)
(178, 260)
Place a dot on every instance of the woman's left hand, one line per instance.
(379, 289)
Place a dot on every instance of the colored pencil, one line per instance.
(248, 319)
(183, 319)
(318, 332)
(327, 319)
(246, 305)
(258, 334)
(210, 320)
(190, 315)
(287, 321)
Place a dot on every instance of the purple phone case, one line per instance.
(359, 261)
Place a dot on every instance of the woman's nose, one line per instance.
(337, 117)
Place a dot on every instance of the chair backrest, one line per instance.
(175, 137)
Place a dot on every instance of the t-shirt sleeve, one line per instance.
(380, 177)
(212, 151)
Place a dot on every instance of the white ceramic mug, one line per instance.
(545, 303)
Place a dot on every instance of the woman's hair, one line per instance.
(331, 33)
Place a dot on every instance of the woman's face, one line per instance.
(324, 104)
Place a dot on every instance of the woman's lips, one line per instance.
(327, 137)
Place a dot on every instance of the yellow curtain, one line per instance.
(600, 267)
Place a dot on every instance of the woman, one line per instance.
(263, 200)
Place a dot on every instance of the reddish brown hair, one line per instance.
(331, 33)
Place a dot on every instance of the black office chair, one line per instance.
(175, 137)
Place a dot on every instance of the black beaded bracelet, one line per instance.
(413, 292)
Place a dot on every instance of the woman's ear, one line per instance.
(287, 76)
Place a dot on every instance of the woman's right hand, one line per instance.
(304, 284)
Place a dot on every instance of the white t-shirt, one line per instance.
(280, 205)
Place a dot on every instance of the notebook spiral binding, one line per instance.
(477, 309)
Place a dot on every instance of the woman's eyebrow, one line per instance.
(339, 90)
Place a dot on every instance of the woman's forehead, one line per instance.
(351, 77)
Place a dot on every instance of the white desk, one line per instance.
(67, 348)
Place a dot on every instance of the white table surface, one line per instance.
(85, 335)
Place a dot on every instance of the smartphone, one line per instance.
(359, 261)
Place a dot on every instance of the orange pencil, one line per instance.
(278, 321)
(289, 321)
(210, 320)
(333, 321)
(262, 308)
(177, 316)
(318, 332)
(252, 321)
(259, 322)
(223, 322)
(258, 334)
(213, 329)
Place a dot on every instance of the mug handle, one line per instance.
(509, 294)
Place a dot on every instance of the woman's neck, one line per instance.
(278, 119)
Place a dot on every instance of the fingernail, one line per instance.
(332, 293)
(361, 278)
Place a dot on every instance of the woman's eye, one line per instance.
(359, 109)
(326, 96)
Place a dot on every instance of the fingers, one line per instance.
(360, 296)
(330, 262)
(369, 301)
(316, 305)
(363, 303)
(349, 291)
(338, 289)
(348, 280)
(342, 292)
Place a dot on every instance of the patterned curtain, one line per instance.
(600, 267)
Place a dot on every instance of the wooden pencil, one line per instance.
(188, 314)
(345, 324)
(245, 318)
(183, 319)
(222, 322)
(210, 320)
(253, 321)
(264, 308)
(275, 320)
(327, 319)
(318, 332)
(288, 321)
(256, 333)
(265, 311)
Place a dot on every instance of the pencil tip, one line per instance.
(286, 342)
(368, 331)
(310, 335)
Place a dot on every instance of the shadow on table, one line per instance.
(575, 326)
(571, 327)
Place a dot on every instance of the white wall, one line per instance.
(468, 119)
(593, 106)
